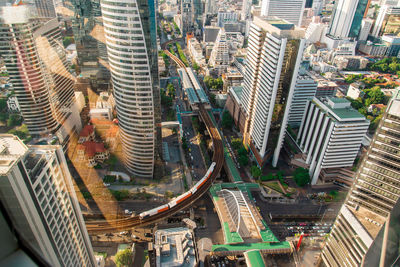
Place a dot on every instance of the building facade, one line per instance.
(374, 193)
(347, 17)
(304, 90)
(88, 29)
(290, 10)
(273, 61)
(387, 21)
(330, 134)
(37, 193)
(132, 55)
(219, 58)
(39, 72)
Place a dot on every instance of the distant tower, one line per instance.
(88, 29)
(37, 193)
(132, 55)
(45, 8)
(347, 17)
(273, 61)
(290, 10)
(374, 193)
(36, 62)
(219, 58)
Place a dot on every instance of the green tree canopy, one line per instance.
(243, 160)
(301, 177)
(227, 121)
(124, 258)
(255, 171)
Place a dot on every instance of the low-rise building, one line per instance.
(12, 104)
(87, 134)
(93, 152)
(233, 105)
(231, 78)
(355, 90)
(175, 247)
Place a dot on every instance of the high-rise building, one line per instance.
(373, 195)
(38, 196)
(219, 58)
(366, 26)
(187, 16)
(132, 55)
(210, 7)
(226, 17)
(304, 90)
(273, 60)
(290, 10)
(387, 21)
(45, 8)
(246, 10)
(346, 18)
(89, 36)
(39, 72)
(330, 134)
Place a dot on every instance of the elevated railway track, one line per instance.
(125, 224)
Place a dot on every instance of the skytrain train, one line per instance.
(182, 197)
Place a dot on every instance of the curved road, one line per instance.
(125, 224)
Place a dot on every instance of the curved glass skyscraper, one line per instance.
(130, 29)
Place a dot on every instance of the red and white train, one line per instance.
(182, 197)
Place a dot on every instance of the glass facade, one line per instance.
(358, 16)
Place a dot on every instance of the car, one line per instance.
(148, 235)
(134, 236)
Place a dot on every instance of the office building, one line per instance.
(290, 10)
(273, 60)
(330, 134)
(45, 8)
(219, 58)
(187, 16)
(89, 36)
(387, 21)
(226, 17)
(366, 26)
(210, 7)
(374, 193)
(245, 13)
(132, 55)
(35, 59)
(38, 196)
(304, 90)
(347, 17)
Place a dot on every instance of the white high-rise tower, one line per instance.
(130, 28)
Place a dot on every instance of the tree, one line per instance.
(171, 90)
(242, 151)
(124, 258)
(267, 177)
(243, 160)
(14, 120)
(236, 143)
(301, 177)
(195, 66)
(227, 121)
(3, 104)
(68, 40)
(255, 171)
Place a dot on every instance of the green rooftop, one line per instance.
(260, 246)
(231, 237)
(267, 235)
(254, 258)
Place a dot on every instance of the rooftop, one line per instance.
(11, 149)
(87, 130)
(174, 247)
(339, 108)
(254, 258)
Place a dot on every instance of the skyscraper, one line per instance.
(131, 39)
(36, 62)
(290, 10)
(273, 61)
(88, 29)
(219, 58)
(45, 8)
(37, 193)
(347, 17)
(374, 193)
